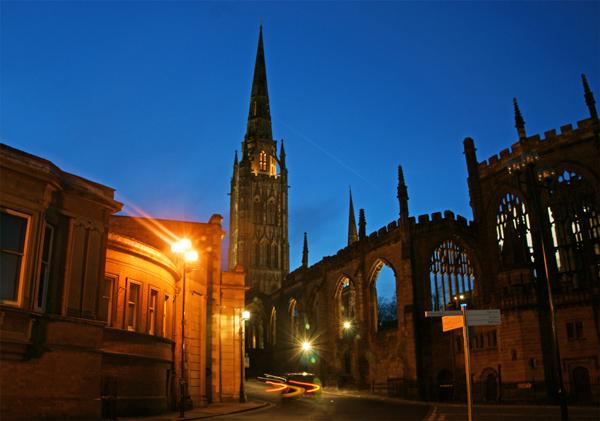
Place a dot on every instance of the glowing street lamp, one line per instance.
(347, 325)
(184, 248)
(306, 346)
(245, 315)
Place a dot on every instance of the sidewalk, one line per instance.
(212, 410)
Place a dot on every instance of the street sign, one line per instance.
(442, 313)
(483, 317)
(451, 322)
(463, 319)
(474, 317)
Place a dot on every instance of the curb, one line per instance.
(262, 404)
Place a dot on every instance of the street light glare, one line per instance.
(245, 315)
(181, 246)
(347, 325)
(306, 346)
(191, 256)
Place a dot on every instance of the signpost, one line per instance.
(463, 319)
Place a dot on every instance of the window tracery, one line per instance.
(574, 228)
(513, 232)
(451, 275)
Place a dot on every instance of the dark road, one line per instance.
(327, 406)
(333, 406)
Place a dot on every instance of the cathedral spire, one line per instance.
(235, 159)
(352, 237)
(589, 98)
(259, 116)
(519, 122)
(305, 252)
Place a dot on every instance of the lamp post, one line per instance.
(245, 315)
(526, 162)
(183, 247)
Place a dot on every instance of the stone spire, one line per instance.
(305, 252)
(259, 116)
(235, 159)
(473, 180)
(519, 122)
(362, 224)
(402, 196)
(589, 98)
(352, 238)
(282, 155)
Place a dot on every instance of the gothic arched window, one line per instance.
(383, 291)
(450, 274)
(271, 212)
(294, 318)
(258, 211)
(513, 232)
(345, 297)
(262, 161)
(257, 254)
(274, 256)
(575, 228)
(273, 327)
(264, 254)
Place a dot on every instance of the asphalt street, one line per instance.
(334, 406)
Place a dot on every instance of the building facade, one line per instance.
(536, 223)
(90, 312)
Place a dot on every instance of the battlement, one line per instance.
(567, 134)
(427, 222)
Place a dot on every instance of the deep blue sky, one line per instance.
(151, 98)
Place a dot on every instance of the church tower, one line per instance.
(258, 231)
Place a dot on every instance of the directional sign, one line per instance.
(456, 319)
(452, 322)
(483, 317)
(474, 317)
(442, 313)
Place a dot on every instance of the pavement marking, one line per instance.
(431, 415)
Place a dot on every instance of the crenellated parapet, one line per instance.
(551, 140)
(437, 220)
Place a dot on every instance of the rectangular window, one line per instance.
(133, 298)
(575, 330)
(579, 330)
(106, 298)
(152, 300)
(13, 232)
(570, 333)
(165, 319)
(44, 280)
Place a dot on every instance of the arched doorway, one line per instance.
(582, 391)
(490, 385)
(445, 386)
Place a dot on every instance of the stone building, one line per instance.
(535, 209)
(258, 233)
(90, 311)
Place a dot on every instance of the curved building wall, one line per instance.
(137, 353)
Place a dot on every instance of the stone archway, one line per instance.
(581, 390)
(489, 383)
(445, 385)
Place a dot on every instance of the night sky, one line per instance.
(151, 98)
